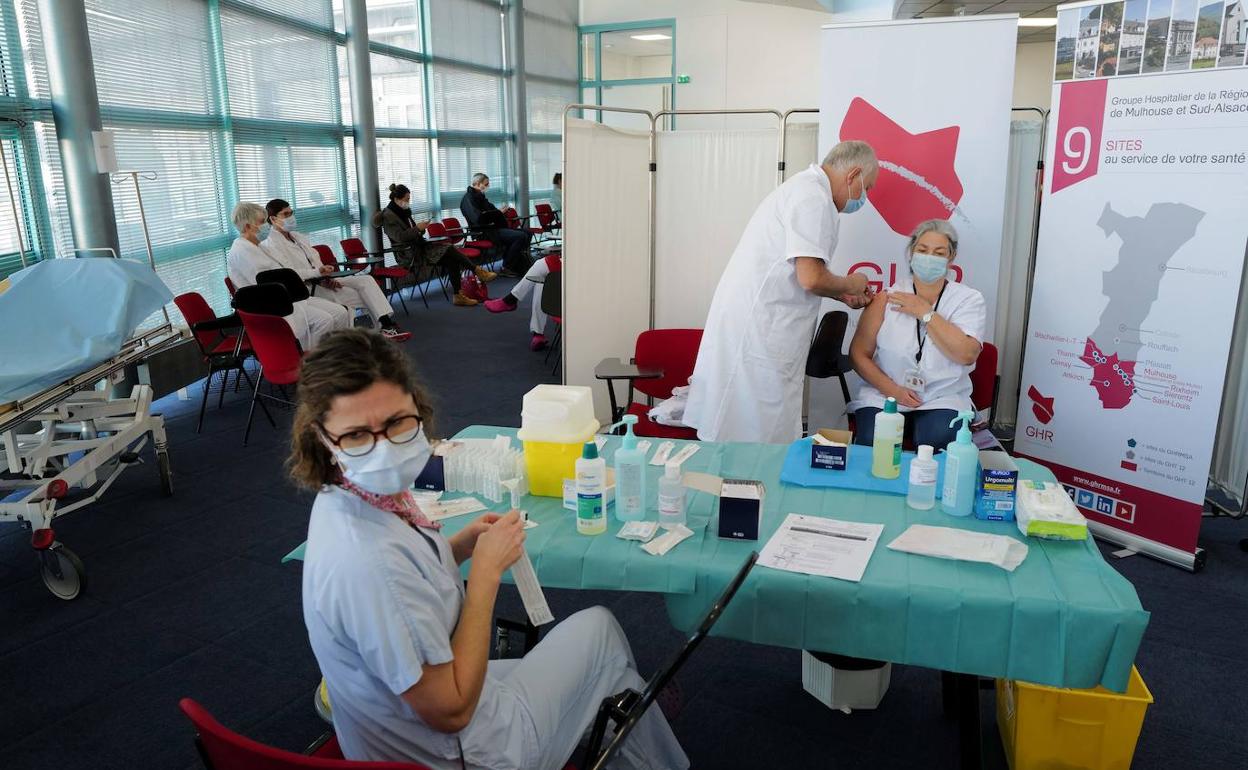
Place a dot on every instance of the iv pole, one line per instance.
(8, 181)
(119, 178)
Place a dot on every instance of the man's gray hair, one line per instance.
(478, 178)
(247, 214)
(933, 226)
(853, 153)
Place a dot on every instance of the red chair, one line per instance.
(552, 306)
(327, 255)
(220, 343)
(671, 353)
(387, 277)
(221, 748)
(455, 230)
(262, 309)
(547, 218)
(437, 230)
(229, 286)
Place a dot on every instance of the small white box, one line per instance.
(844, 688)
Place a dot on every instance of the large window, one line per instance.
(550, 67)
(629, 65)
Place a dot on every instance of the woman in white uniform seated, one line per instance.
(402, 642)
(294, 250)
(313, 317)
(918, 343)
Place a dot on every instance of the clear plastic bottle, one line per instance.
(630, 476)
(923, 471)
(671, 497)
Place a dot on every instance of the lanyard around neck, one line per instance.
(922, 337)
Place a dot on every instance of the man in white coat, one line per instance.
(747, 383)
(312, 318)
(294, 250)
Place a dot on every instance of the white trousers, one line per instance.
(315, 317)
(358, 291)
(563, 681)
(533, 281)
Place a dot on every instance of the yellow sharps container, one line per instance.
(556, 421)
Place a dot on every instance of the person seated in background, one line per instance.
(917, 342)
(407, 237)
(532, 282)
(482, 214)
(556, 195)
(402, 640)
(313, 317)
(294, 250)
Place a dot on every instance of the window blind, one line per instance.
(405, 161)
(466, 100)
(398, 92)
(278, 72)
(551, 83)
(396, 23)
(546, 103)
(152, 55)
(467, 30)
(457, 163)
(317, 12)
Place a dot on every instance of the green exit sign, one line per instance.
(682, 78)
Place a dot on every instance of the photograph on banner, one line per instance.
(943, 150)
(1139, 260)
(1234, 34)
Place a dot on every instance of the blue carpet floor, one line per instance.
(187, 598)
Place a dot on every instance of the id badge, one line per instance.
(914, 380)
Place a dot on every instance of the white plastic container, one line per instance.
(591, 487)
(886, 443)
(671, 497)
(923, 471)
(845, 683)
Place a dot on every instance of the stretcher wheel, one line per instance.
(62, 572)
(166, 474)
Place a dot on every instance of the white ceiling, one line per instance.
(921, 9)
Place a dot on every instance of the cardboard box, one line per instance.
(995, 496)
(740, 508)
(833, 456)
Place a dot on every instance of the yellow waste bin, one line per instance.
(555, 422)
(1047, 728)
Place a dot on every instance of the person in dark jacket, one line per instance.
(483, 214)
(408, 236)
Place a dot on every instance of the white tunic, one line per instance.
(747, 384)
(380, 604)
(311, 319)
(355, 291)
(948, 383)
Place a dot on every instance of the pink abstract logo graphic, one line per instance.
(917, 177)
(1041, 405)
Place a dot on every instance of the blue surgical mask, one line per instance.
(388, 469)
(288, 223)
(928, 268)
(853, 204)
(264, 230)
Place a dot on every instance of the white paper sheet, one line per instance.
(961, 545)
(817, 546)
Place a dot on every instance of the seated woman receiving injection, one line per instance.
(918, 341)
(402, 641)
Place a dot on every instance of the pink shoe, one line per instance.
(538, 342)
(499, 305)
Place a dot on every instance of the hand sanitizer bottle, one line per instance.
(886, 445)
(957, 496)
(922, 494)
(630, 476)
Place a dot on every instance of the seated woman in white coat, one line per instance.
(312, 318)
(917, 343)
(294, 250)
(402, 641)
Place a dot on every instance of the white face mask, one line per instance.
(390, 468)
(288, 223)
(405, 205)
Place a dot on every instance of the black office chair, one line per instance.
(268, 298)
(552, 305)
(288, 279)
(825, 358)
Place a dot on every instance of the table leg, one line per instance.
(969, 737)
(949, 693)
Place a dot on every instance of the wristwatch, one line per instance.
(927, 317)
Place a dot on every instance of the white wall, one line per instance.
(736, 54)
(1033, 75)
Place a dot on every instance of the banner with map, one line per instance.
(1143, 232)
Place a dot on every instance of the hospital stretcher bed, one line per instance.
(63, 447)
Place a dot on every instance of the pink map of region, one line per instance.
(1113, 379)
